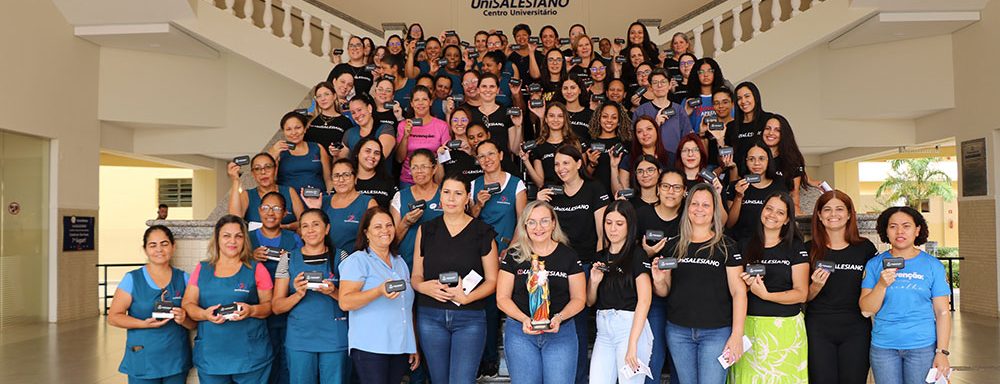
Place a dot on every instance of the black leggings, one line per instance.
(377, 368)
(838, 348)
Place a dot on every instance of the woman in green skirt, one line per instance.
(777, 276)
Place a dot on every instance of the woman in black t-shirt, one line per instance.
(620, 289)
(774, 321)
(788, 161)
(357, 66)
(555, 132)
(610, 126)
(839, 335)
(451, 315)
(748, 122)
(327, 125)
(373, 177)
(383, 92)
(706, 298)
(647, 174)
(540, 280)
(576, 98)
(748, 199)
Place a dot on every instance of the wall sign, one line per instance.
(974, 178)
(78, 233)
(519, 7)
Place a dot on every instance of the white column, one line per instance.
(775, 12)
(268, 16)
(698, 49)
(796, 5)
(306, 31)
(248, 11)
(755, 18)
(230, 5)
(737, 26)
(325, 45)
(345, 38)
(286, 24)
(716, 36)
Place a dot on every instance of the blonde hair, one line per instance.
(213, 243)
(522, 243)
(715, 243)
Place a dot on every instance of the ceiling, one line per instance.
(893, 26)
(155, 37)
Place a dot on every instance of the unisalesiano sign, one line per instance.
(519, 7)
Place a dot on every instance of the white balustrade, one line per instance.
(755, 17)
(345, 38)
(286, 24)
(325, 45)
(775, 12)
(698, 49)
(307, 32)
(268, 17)
(796, 8)
(717, 35)
(737, 26)
(231, 6)
(248, 11)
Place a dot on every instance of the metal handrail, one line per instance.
(104, 281)
(951, 287)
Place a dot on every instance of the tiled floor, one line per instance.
(88, 351)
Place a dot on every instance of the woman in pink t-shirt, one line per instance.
(420, 131)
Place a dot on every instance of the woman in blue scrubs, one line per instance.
(422, 164)
(270, 234)
(245, 203)
(301, 163)
(156, 349)
(233, 347)
(345, 207)
(316, 342)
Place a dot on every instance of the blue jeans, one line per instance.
(491, 352)
(614, 328)
(661, 355)
(582, 321)
(698, 350)
(318, 367)
(549, 358)
(452, 341)
(901, 366)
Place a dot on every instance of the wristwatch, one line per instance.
(942, 351)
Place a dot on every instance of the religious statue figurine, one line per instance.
(538, 294)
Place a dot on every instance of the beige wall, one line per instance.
(50, 90)
(976, 82)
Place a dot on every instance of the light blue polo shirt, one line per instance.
(383, 326)
(906, 319)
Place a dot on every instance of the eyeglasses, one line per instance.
(263, 168)
(705, 71)
(659, 83)
(544, 223)
(690, 151)
(355, 45)
(687, 63)
(486, 155)
(395, 44)
(342, 175)
(758, 159)
(646, 171)
(420, 168)
(643, 73)
(460, 120)
(597, 69)
(271, 208)
(554, 60)
(672, 187)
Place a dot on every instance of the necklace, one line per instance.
(326, 121)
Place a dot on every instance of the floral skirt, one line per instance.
(778, 355)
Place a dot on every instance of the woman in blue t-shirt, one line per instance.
(156, 345)
(912, 324)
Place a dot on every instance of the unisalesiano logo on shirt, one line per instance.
(571, 209)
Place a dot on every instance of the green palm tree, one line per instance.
(913, 181)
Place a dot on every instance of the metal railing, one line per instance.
(951, 286)
(103, 284)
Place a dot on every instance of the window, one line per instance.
(175, 192)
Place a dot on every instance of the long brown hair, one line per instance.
(820, 239)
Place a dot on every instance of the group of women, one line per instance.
(437, 188)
